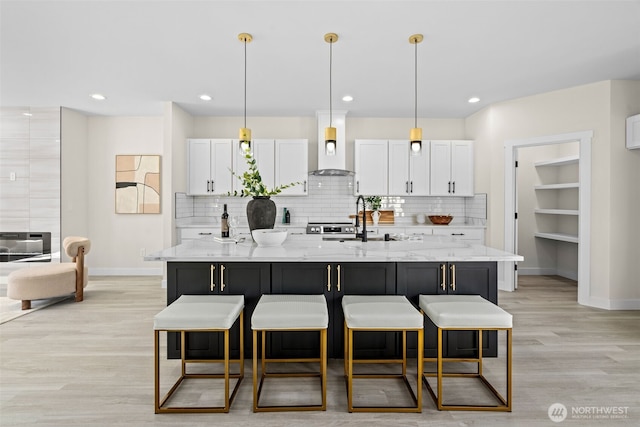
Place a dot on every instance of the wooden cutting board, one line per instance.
(386, 217)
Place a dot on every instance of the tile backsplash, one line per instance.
(331, 199)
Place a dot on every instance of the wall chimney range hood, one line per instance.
(332, 165)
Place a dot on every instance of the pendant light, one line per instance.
(245, 133)
(330, 132)
(415, 136)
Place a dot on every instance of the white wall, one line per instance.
(582, 108)
(117, 239)
(74, 196)
(624, 188)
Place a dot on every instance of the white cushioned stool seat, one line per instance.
(452, 313)
(197, 314)
(459, 311)
(281, 314)
(380, 312)
(193, 312)
(289, 312)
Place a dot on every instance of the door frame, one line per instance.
(584, 205)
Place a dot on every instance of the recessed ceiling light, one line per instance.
(205, 97)
(474, 99)
(27, 114)
(347, 98)
(98, 96)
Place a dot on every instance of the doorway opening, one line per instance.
(566, 231)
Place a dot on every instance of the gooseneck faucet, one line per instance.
(364, 218)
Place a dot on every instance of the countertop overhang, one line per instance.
(430, 248)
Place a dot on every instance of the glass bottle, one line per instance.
(224, 224)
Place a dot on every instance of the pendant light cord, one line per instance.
(330, 82)
(416, 86)
(245, 82)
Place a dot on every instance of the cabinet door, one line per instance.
(240, 165)
(302, 278)
(221, 161)
(473, 278)
(399, 168)
(440, 170)
(292, 165)
(191, 278)
(415, 279)
(371, 167)
(251, 280)
(364, 278)
(199, 166)
(462, 168)
(263, 152)
(419, 165)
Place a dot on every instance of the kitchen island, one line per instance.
(310, 265)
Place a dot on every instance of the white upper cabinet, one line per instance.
(210, 162)
(371, 167)
(451, 168)
(292, 165)
(408, 172)
(264, 153)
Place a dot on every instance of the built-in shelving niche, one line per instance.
(559, 187)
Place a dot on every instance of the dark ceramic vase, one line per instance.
(261, 213)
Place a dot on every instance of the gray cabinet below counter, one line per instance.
(252, 279)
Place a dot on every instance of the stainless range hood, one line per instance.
(332, 165)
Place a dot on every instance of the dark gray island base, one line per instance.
(333, 279)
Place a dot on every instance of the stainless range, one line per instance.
(332, 229)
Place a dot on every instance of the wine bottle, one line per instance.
(224, 224)
(287, 217)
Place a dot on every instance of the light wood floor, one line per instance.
(91, 363)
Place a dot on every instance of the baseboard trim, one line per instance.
(614, 304)
(125, 271)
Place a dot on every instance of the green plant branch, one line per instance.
(252, 184)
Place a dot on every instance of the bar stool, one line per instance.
(199, 313)
(467, 313)
(289, 313)
(382, 313)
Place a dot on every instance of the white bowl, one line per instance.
(269, 237)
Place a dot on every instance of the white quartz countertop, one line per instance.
(305, 249)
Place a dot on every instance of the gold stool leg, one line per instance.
(156, 369)
(255, 370)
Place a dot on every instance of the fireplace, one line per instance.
(25, 247)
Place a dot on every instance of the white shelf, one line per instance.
(559, 161)
(557, 186)
(557, 211)
(562, 237)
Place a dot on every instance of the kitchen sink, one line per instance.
(352, 239)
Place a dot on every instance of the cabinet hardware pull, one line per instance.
(208, 186)
(443, 272)
(328, 277)
(454, 187)
(457, 234)
(213, 186)
(357, 186)
(338, 277)
(453, 277)
(406, 186)
(411, 187)
(213, 285)
(221, 277)
(305, 186)
(449, 191)
(204, 234)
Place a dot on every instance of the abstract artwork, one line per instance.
(138, 184)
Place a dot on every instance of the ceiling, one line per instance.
(143, 53)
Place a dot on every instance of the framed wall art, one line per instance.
(137, 184)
